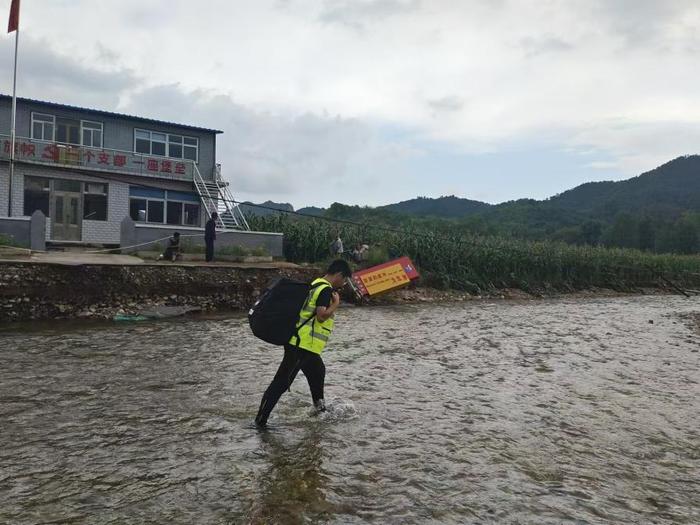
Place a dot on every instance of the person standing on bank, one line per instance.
(303, 351)
(210, 235)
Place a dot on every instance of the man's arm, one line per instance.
(323, 313)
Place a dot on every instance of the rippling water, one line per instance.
(538, 412)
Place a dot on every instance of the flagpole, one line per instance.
(12, 131)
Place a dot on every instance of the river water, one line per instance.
(567, 411)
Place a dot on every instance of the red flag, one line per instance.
(13, 23)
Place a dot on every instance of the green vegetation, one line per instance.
(190, 247)
(7, 240)
(658, 212)
(453, 258)
(240, 251)
(187, 246)
(602, 234)
(236, 251)
(259, 251)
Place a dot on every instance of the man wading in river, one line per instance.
(303, 351)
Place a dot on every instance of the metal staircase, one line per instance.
(216, 197)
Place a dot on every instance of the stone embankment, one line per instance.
(65, 290)
(30, 291)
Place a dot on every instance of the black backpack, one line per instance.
(273, 318)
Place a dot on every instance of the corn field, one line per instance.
(478, 264)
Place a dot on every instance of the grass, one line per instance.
(189, 247)
(8, 240)
(236, 251)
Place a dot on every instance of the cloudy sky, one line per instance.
(376, 101)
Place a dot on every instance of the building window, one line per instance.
(190, 150)
(158, 144)
(36, 195)
(191, 214)
(185, 206)
(155, 211)
(158, 206)
(173, 146)
(142, 142)
(95, 202)
(150, 142)
(183, 213)
(69, 186)
(68, 131)
(146, 204)
(137, 209)
(43, 126)
(174, 213)
(92, 133)
(146, 210)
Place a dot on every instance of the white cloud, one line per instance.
(357, 14)
(478, 75)
(58, 77)
(302, 157)
(638, 147)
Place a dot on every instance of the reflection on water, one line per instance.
(541, 412)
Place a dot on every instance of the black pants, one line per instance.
(170, 253)
(294, 359)
(210, 249)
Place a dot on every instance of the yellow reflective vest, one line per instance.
(314, 334)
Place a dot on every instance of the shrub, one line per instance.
(236, 251)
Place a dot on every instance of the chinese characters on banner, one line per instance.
(86, 157)
(22, 149)
(385, 277)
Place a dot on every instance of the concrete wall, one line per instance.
(117, 209)
(17, 190)
(118, 132)
(4, 183)
(16, 228)
(134, 233)
(28, 232)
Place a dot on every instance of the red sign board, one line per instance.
(384, 277)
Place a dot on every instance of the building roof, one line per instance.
(108, 113)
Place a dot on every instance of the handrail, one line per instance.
(233, 206)
(224, 204)
(204, 192)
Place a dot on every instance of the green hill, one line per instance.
(449, 207)
(656, 211)
(666, 191)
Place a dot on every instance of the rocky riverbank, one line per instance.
(51, 291)
(39, 291)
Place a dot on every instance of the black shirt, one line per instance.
(324, 298)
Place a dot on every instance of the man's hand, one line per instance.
(335, 299)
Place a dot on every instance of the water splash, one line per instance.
(338, 410)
